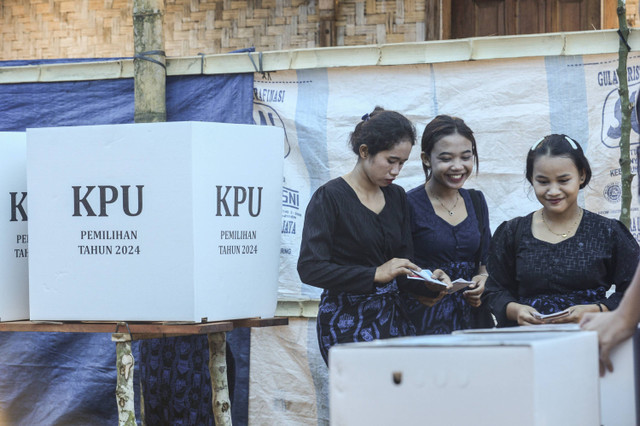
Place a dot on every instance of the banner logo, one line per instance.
(290, 198)
(611, 129)
(265, 115)
(613, 192)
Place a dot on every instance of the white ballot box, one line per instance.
(14, 275)
(468, 379)
(619, 403)
(154, 222)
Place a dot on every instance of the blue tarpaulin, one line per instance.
(70, 378)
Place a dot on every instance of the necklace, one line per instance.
(564, 234)
(451, 212)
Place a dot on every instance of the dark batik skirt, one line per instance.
(347, 318)
(550, 303)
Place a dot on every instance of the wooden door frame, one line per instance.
(437, 19)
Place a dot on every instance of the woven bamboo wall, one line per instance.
(45, 29)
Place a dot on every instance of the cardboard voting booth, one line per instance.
(470, 379)
(619, 404)
(154, 222)
(14, 284)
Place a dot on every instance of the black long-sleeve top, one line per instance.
(343, 242)
(601, 253)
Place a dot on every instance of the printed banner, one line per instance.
(604, 193)
(508, 103)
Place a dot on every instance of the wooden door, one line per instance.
(573, 15)
(475, 18)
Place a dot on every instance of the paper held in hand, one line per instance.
(425, 275)
(554, 315)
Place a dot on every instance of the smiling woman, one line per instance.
(560, 257)
(450, 228)
(356, 241)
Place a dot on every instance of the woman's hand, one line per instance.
(439, 275)
(575, 314)
(472, 296)
(612, 328)
(522, 314)
(391, 269)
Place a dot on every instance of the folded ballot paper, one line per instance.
(547, 317)
(426, 275)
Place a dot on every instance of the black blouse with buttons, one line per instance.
(548, 276)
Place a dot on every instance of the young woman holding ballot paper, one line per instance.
(356, 241)
(560, 260)
(450, 228)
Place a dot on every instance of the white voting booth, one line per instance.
(492, 379)
(14, 285)
(159, 221)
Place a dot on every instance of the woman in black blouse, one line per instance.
(356, 241)
(560, 257)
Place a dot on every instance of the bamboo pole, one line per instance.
(219, 382)
(124, 380)
(149, 76)
(625, 109)
(149, 61)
